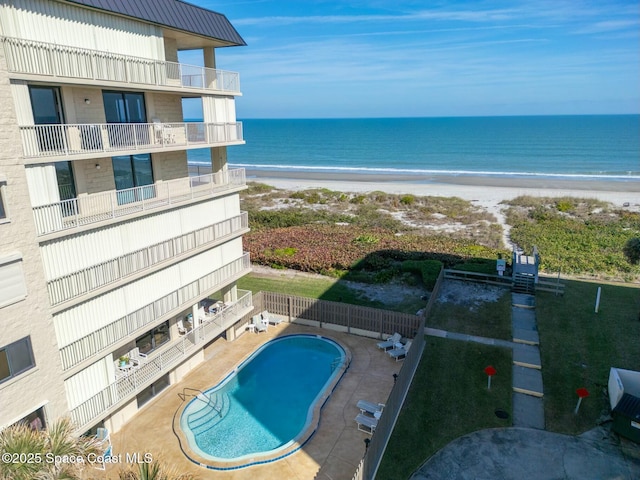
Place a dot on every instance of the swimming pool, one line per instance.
(267, 404)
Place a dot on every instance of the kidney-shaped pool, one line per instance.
(267, 403)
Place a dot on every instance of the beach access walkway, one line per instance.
(528, 407)
(526, 450)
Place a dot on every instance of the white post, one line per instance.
(488, 382)
(575, 412)
(598, 299)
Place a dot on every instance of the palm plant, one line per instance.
(153, 471)
(38, 448)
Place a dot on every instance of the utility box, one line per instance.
(624, 398)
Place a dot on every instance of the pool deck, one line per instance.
(333, 452)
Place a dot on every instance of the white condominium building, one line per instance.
(117, 264)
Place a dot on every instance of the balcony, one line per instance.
(105, 206)
(104, 139)
(158, 364)
(80, 65)
(92, 278)
(135, 323)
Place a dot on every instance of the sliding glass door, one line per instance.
(125, 107)
(47, 111)
(131, 171)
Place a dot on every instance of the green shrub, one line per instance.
(366, 239)
(564, 206)
(428, 269)
(285, 252)
(407, 200)
(358, 199)
(478, 265)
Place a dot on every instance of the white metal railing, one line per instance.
(70, 139)
(110, 334)
(93, 277)
(53, 60)
(158, 364)
(99, 207)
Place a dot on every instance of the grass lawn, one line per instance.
(579, 346)
(325, 289)
(489, 319)
(447, 399)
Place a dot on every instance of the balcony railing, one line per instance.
(110, 334)
(99, 207)
(52, 60)
(67, 140)
(158, 364)
(91, 278)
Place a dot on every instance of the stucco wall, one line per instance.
(43, 384)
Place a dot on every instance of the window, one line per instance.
(3, 211)
(12, 284)
(47, 111)
(15, 358)
(35, 420)
(125, 107)
(131, 171)
(152, 390)
(153, 338)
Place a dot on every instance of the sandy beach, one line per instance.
(484, 190)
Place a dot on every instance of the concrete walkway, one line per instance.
(528, 405)
(532, 454)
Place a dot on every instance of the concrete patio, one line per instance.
(333, 452)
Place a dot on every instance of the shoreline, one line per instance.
(486, 191)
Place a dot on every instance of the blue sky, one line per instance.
(406, 58)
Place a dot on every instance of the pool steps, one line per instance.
(204, 418)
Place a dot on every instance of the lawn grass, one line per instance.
(330, 289)
(447, 399)
(579, 346)
(489, 319)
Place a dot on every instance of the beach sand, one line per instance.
(484, 191)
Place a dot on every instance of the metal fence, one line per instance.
(49, 59)
(70, 139)
(156, 365)
(78, 283)
(103, 206)
(105, 337)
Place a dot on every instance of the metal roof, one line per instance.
(173, 14)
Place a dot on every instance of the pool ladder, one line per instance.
(200, 396)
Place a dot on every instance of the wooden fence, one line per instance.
(358, 320)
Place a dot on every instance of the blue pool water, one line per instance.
(266, 403)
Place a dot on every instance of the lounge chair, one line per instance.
(270, 318)
(371, 408)
(366, 424)
(390, 341)
(259, 325)
(400, 352)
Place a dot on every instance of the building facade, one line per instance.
(117, 266)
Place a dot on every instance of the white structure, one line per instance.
(106, 242)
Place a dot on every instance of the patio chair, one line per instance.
(102, 435)
(270, 318)
(136, 357)
(366, 424)
(390, 341)
(374, 409)
(182, 330)
(400, 353)
(259, 324)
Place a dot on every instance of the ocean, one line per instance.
(581, 146)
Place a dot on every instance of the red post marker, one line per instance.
(490, 371)
(582, 393)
